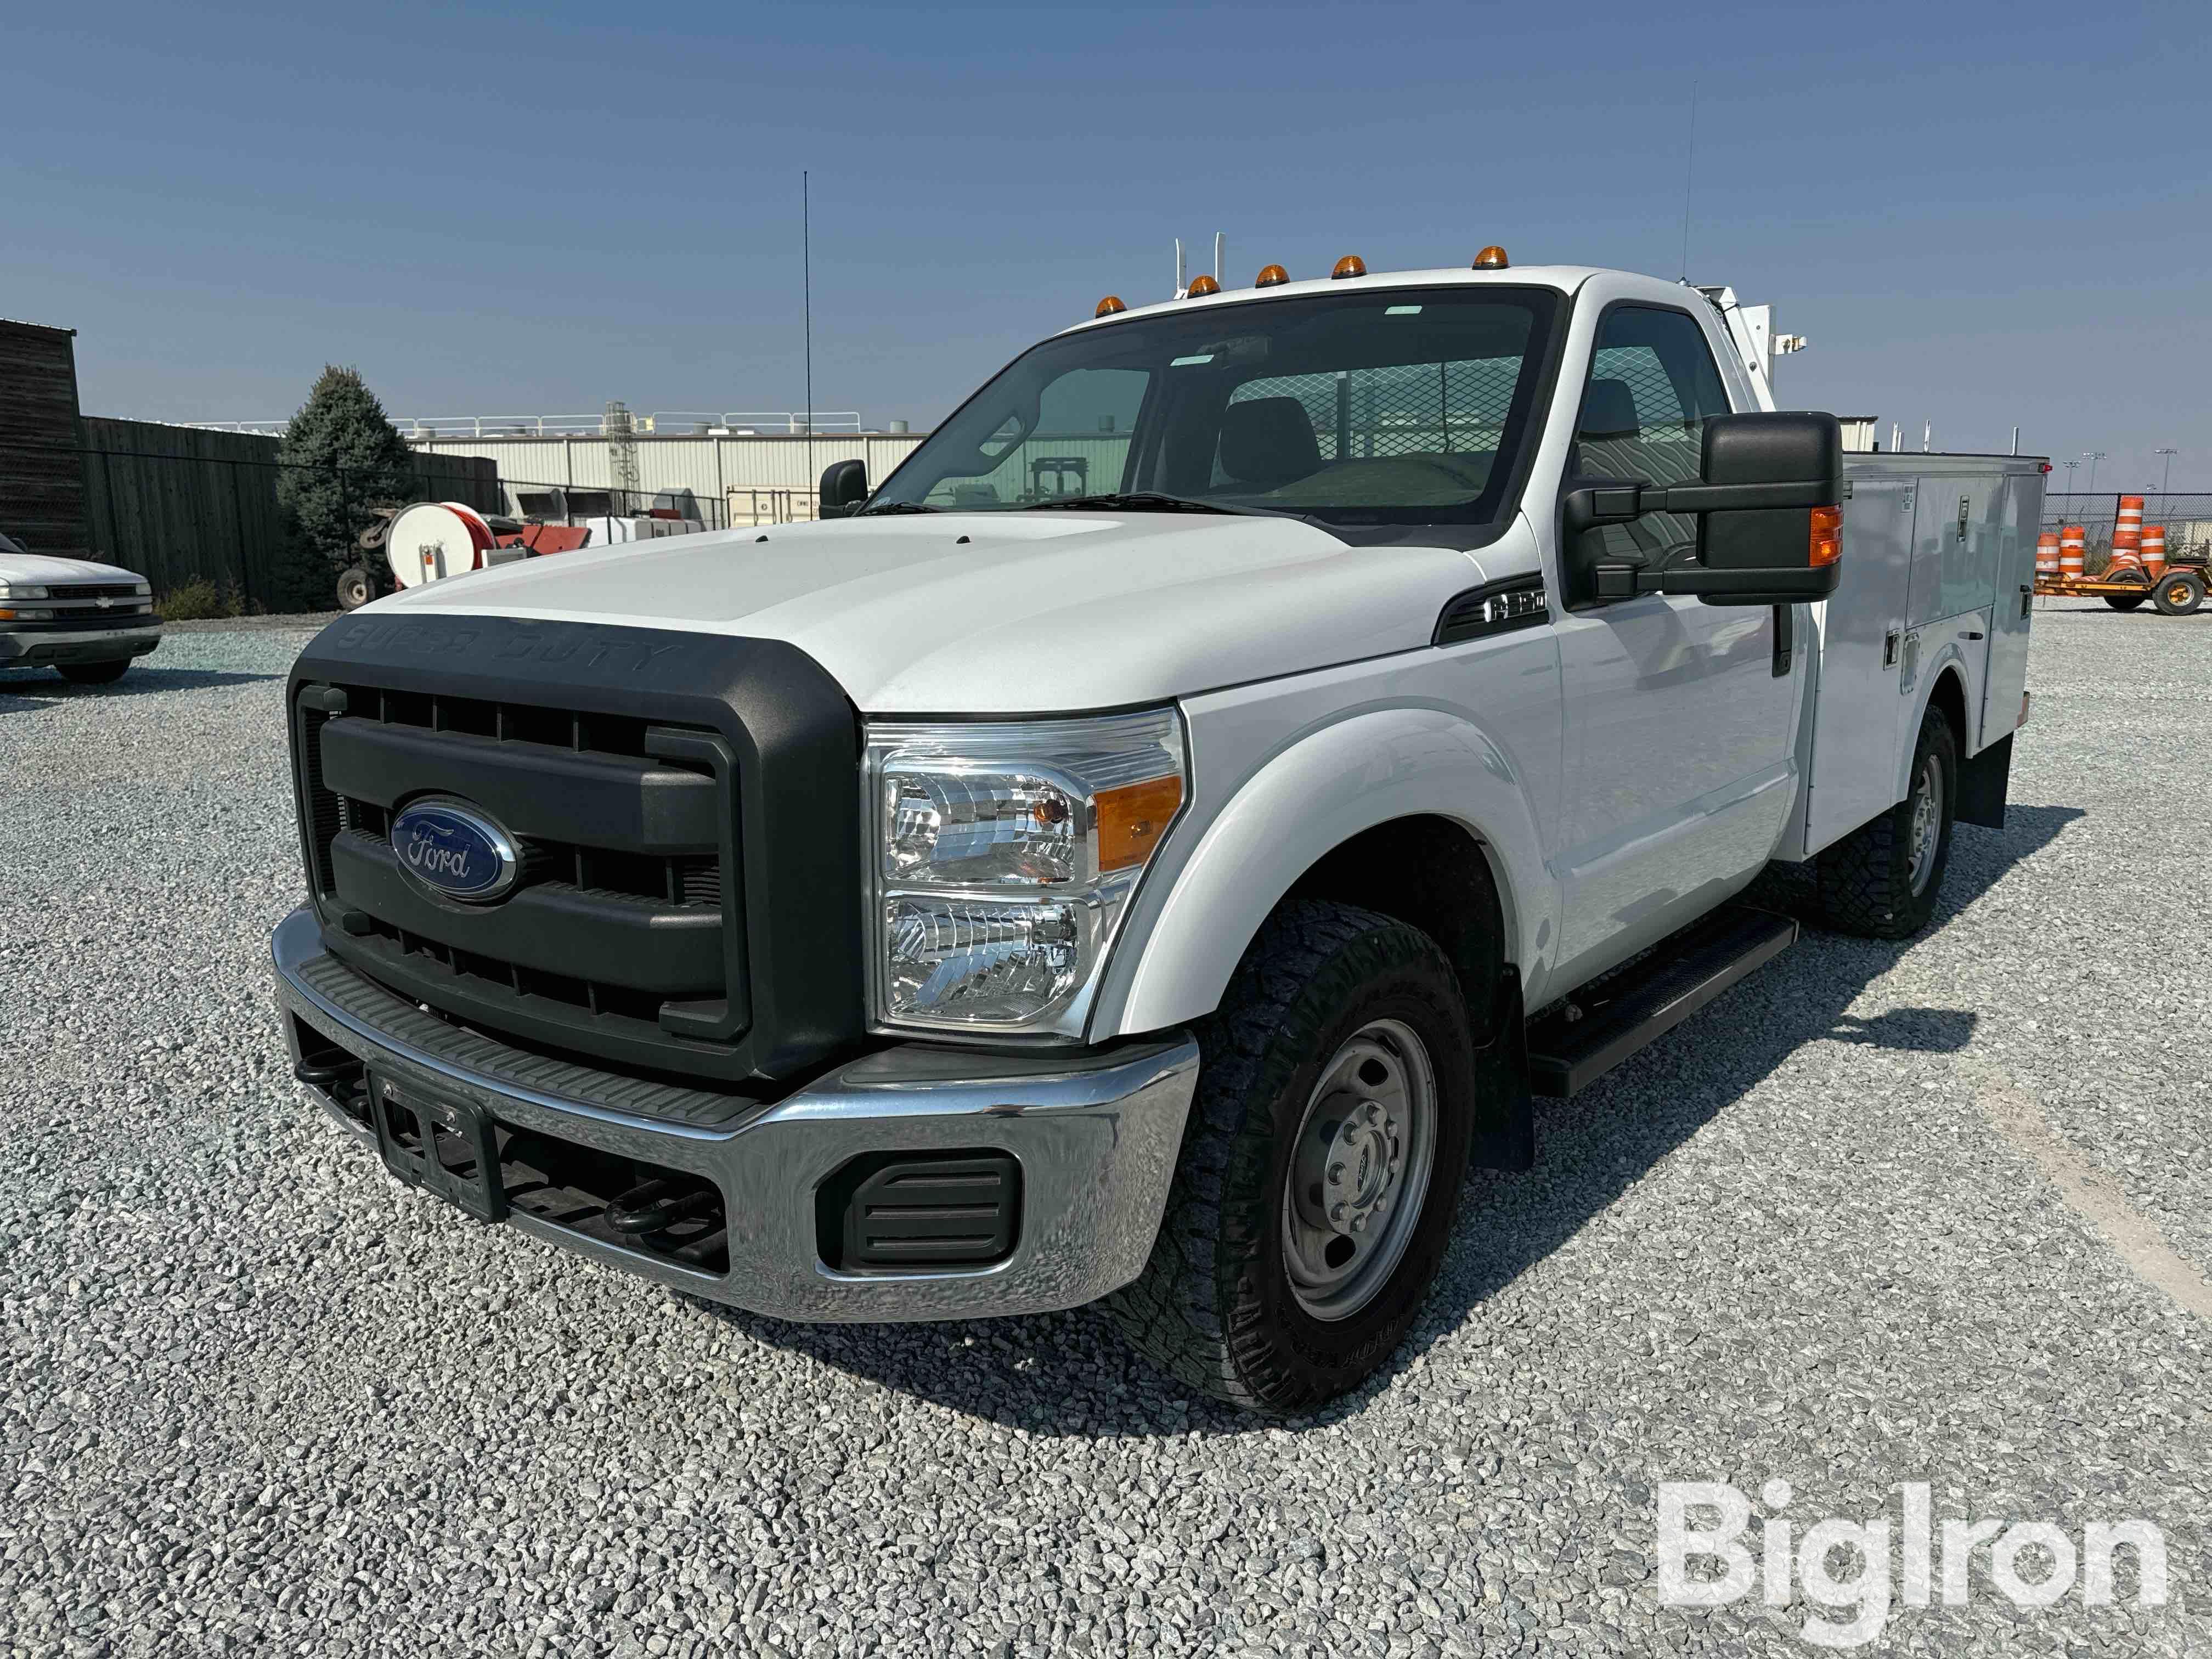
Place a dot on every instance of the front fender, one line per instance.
(1314, 794)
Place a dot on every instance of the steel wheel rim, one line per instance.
(1359, 1169)
(1927, 821)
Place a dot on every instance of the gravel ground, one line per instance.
(257, 1398)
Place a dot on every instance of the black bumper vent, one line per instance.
(910, 1212)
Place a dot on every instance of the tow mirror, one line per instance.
(1769, 507)
(844, 487)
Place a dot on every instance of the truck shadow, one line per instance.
(1069, 1373)
(36, 688)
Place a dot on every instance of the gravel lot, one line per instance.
(257, 1398)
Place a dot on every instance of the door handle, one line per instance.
(1970, 634)
(1889, 649)
(2027, 599)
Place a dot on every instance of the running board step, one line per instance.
(1636, 1005)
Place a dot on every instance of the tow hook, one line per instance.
(654, 1207)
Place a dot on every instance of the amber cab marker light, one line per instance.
(1271, 275)
(1131, 819)
(1491, 258)
(1108, 305)
(1200, 286)
(1351, 265)
(1827, 538)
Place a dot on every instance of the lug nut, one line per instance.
(1359, 1223)
(1336, 1213)
(1335, 1174)
(1351, 1132)
(1374, 1113)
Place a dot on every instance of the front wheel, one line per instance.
(2180, 593)
(1321, 1168)
(1881, 881)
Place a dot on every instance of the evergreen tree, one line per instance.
(341, 457)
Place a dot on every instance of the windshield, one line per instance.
(1375, 407)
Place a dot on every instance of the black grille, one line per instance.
(88, 592)
(620, 938)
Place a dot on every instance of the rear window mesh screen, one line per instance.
(1405, 409)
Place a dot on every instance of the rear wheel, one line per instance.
(2125, 601)
(1320, 1169)
(1881, 881)
(355, 588)
(93, 674)
(2180, 593)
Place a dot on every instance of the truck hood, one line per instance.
(996, 612)
(45, 567)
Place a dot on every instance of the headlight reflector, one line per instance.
(22, 591)
(1005, 853)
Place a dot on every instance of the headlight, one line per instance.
(143, 590)
(22, 591)
(1004, 854)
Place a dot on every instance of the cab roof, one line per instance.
(1565, 278)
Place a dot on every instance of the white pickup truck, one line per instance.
(1150, 845)
(87, 622)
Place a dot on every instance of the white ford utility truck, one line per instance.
(1150, 845)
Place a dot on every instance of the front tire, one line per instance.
(2180, 593)
(93, 674)
(1321, 1168)
(1881, 880)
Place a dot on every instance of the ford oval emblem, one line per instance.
(455, 851)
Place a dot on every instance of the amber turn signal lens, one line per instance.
(1108, 305)
(1271, 275)
(1351, 265)
(1827, 544)
(1491, 258)
(1200, 285)
(1132, 818)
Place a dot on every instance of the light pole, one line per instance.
(2070, 466)
(2095, 456)
(2167, 478)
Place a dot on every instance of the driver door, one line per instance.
(1679, 763)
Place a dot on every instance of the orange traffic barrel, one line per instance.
(2154, 549)
(2127, 534)
(2069, 550)
(2046, 553)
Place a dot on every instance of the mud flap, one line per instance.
(1984, 780)
(1505, 1119)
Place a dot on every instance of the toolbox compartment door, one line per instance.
(1858, 713)
(2020, 516)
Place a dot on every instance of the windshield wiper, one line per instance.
(893, 507)
(1141, 501)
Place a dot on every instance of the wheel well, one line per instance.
(1432, 873)
(1950, 696)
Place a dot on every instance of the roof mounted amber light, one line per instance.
(1351, 265)
(1199, 287)
(1271, 275)
(1491, 258)
(1108, 305)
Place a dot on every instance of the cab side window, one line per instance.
(1652, 387)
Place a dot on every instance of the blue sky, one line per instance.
(1979, 214)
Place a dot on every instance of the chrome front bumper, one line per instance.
(1096, 1140)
